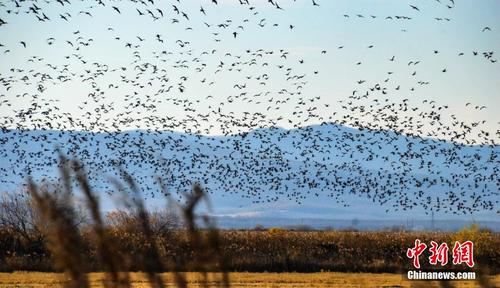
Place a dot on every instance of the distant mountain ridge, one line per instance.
(322, 170)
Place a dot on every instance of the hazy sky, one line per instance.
(468, 78)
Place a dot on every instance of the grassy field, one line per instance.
(259, 251)
(244, 280)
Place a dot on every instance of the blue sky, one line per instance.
(468, 78)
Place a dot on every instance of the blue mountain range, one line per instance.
(310, 174)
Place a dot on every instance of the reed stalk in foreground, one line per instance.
(57, 211)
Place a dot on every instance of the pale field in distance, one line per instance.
(244, 280)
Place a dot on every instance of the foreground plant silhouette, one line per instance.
(64, 240)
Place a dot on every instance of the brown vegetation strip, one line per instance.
(243, 280)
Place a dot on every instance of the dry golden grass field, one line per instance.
(245, 280)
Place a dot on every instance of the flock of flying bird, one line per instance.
(398, 154)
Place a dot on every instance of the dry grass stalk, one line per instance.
(65, 240)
